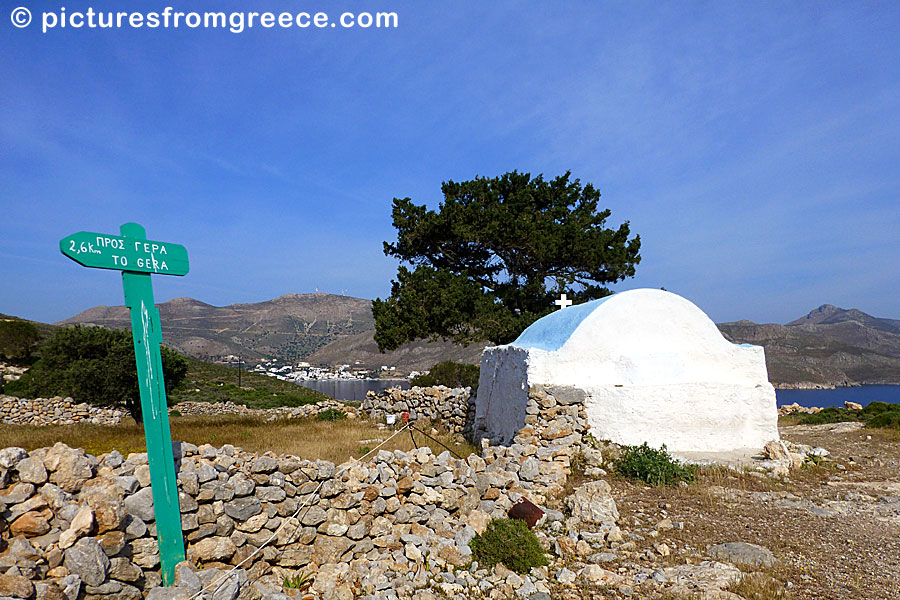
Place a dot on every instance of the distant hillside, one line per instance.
(416, 356)
(830, 346)
(288, 327)
(832, 315)
(44, 329)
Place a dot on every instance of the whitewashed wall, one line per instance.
(654, 368)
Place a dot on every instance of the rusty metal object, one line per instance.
(526, 511)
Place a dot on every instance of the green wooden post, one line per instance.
(145, 329)
(137, 258)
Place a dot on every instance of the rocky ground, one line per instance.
(833, 529)
(399, 525)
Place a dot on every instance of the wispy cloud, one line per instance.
(753, 147)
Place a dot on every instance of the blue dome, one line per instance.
(551, 332)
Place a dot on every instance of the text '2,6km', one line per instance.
(103, 251)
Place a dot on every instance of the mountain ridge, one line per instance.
(829, 346)
(288, 327)
(828, 314)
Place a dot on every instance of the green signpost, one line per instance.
(137, 258)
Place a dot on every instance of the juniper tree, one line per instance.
(95, 365)
(495, 254)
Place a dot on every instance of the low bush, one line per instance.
(886, 420)
(94, 365)
(450, 374)
(759, 586)
(652, 466)
(218, 391)
(876, 414)
(511, 542)
(331, 414)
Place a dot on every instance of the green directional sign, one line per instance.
(137, 258)
(102, 251)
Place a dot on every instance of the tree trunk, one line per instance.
(134, 407)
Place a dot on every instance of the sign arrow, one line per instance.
(104, 251)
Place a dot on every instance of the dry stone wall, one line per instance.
(11, 372)
(453, 407)
(65, 411)
(55, 411)
(284, 412)
(398, 525)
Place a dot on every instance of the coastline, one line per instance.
(807, 385)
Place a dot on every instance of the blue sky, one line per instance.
(754, 146)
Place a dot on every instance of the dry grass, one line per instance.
(760, 586)
(883, 435)
(307, 438)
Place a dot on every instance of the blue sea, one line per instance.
(353, 390)
(836, 397)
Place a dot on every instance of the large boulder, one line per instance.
(87, 560)
(30, 524)
(242, 509)
(213, 549)
(32, 470)
(593, 503)
(81, 525)
(10, 457)
(70, 468)
(16, 586)
(140, 505)
(106, 502)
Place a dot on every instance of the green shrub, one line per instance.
(94, 365)
(331, 414)
(875, 414)
(217, 391)
(17, 388)
(649, 465)
(876, 408)
(450, 374)
(511, 542)
(886, 420)
(17, 339)
(828, 415)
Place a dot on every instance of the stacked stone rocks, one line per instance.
(452, 407)
(55, 411)
(397, 525)
(11, 372)
(388, 526)
(284, 412)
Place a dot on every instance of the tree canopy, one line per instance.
(94, 365)
(495, 255)
(17, 338)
